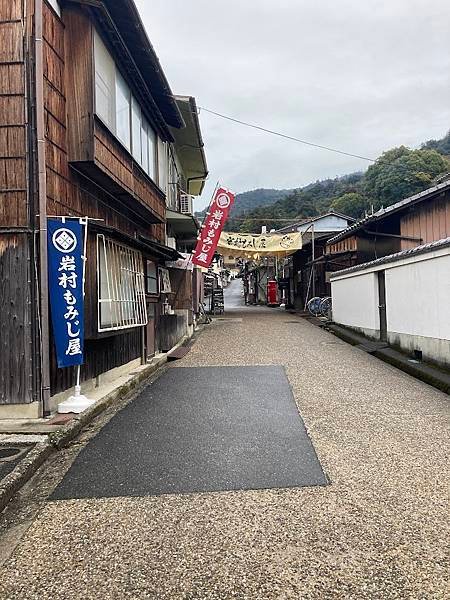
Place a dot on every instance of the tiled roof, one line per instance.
(293, 227)
(440, 187)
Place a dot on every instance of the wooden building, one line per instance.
(414, 221)
(87, 122)
(305, 273)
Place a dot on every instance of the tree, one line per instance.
(442, 146)
(400, 173)
(351, 204)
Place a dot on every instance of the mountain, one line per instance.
(247, 201)
(396, 174)
(309, 201)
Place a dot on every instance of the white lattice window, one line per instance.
(121, 289)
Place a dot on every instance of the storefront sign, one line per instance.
(249, 245)
(212, 227)
(164, 276)
(65, 276)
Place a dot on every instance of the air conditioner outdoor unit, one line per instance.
(186, 204)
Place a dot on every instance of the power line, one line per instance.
(283, 135)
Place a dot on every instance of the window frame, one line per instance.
(150, 165)
(154, 278)
(124, 272)
(122, 86)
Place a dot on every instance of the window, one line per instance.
(151, 152)
(162, 165)
(123, 101)
(144, 133)
(151, 278)
(136, 124)
(121, 294)
(121, 112)
(105, 77)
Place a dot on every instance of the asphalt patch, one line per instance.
(199, 430)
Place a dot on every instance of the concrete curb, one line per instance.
(426, 372)
(26, 468)
(11, 484)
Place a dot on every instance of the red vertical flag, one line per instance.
(212, 227)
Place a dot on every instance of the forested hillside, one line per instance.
(397, 173)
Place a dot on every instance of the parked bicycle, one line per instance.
(320, 307)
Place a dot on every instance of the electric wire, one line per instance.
(285, 136)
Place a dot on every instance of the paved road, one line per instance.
(233, 298)
(379, 531)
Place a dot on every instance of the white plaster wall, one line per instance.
(418, 298)
(355, 301)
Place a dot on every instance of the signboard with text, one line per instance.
(65, 242)
(212, 227)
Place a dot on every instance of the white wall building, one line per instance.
(403, 299)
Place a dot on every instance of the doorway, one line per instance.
(382, 305)
(150, 331)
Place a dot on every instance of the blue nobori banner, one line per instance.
(65, 276)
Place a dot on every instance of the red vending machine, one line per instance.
(272, 293)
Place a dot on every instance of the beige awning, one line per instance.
(249, 245)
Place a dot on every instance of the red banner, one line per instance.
(212, 227)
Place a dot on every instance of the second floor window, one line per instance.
(123, 116)
(123, 112)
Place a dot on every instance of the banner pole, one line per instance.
(78, 402)
(83, 221)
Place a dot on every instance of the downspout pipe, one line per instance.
(42, 201)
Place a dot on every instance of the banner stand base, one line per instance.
(75, 404)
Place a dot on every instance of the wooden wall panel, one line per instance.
(11, 41)
(13, 173)
(345, 245)
(10, 10)
(428, 221)
(118, 164)
(79, 82)
(15, 316)
(113, 160)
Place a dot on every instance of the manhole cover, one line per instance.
(9, 452)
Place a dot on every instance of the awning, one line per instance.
(141, 242)
(189, 146)
(182, 225)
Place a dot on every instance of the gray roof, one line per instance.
(289, 228)
(436, 189)
(397, 256)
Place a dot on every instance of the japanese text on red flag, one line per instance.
(212, 227)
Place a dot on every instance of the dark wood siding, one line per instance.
(13, 172)
(16, 383)
(16, 356)
(346, 245)
(114, 161)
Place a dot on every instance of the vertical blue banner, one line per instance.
(65, 277)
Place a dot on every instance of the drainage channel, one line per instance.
(11, 455)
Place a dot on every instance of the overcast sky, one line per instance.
(358, 75)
